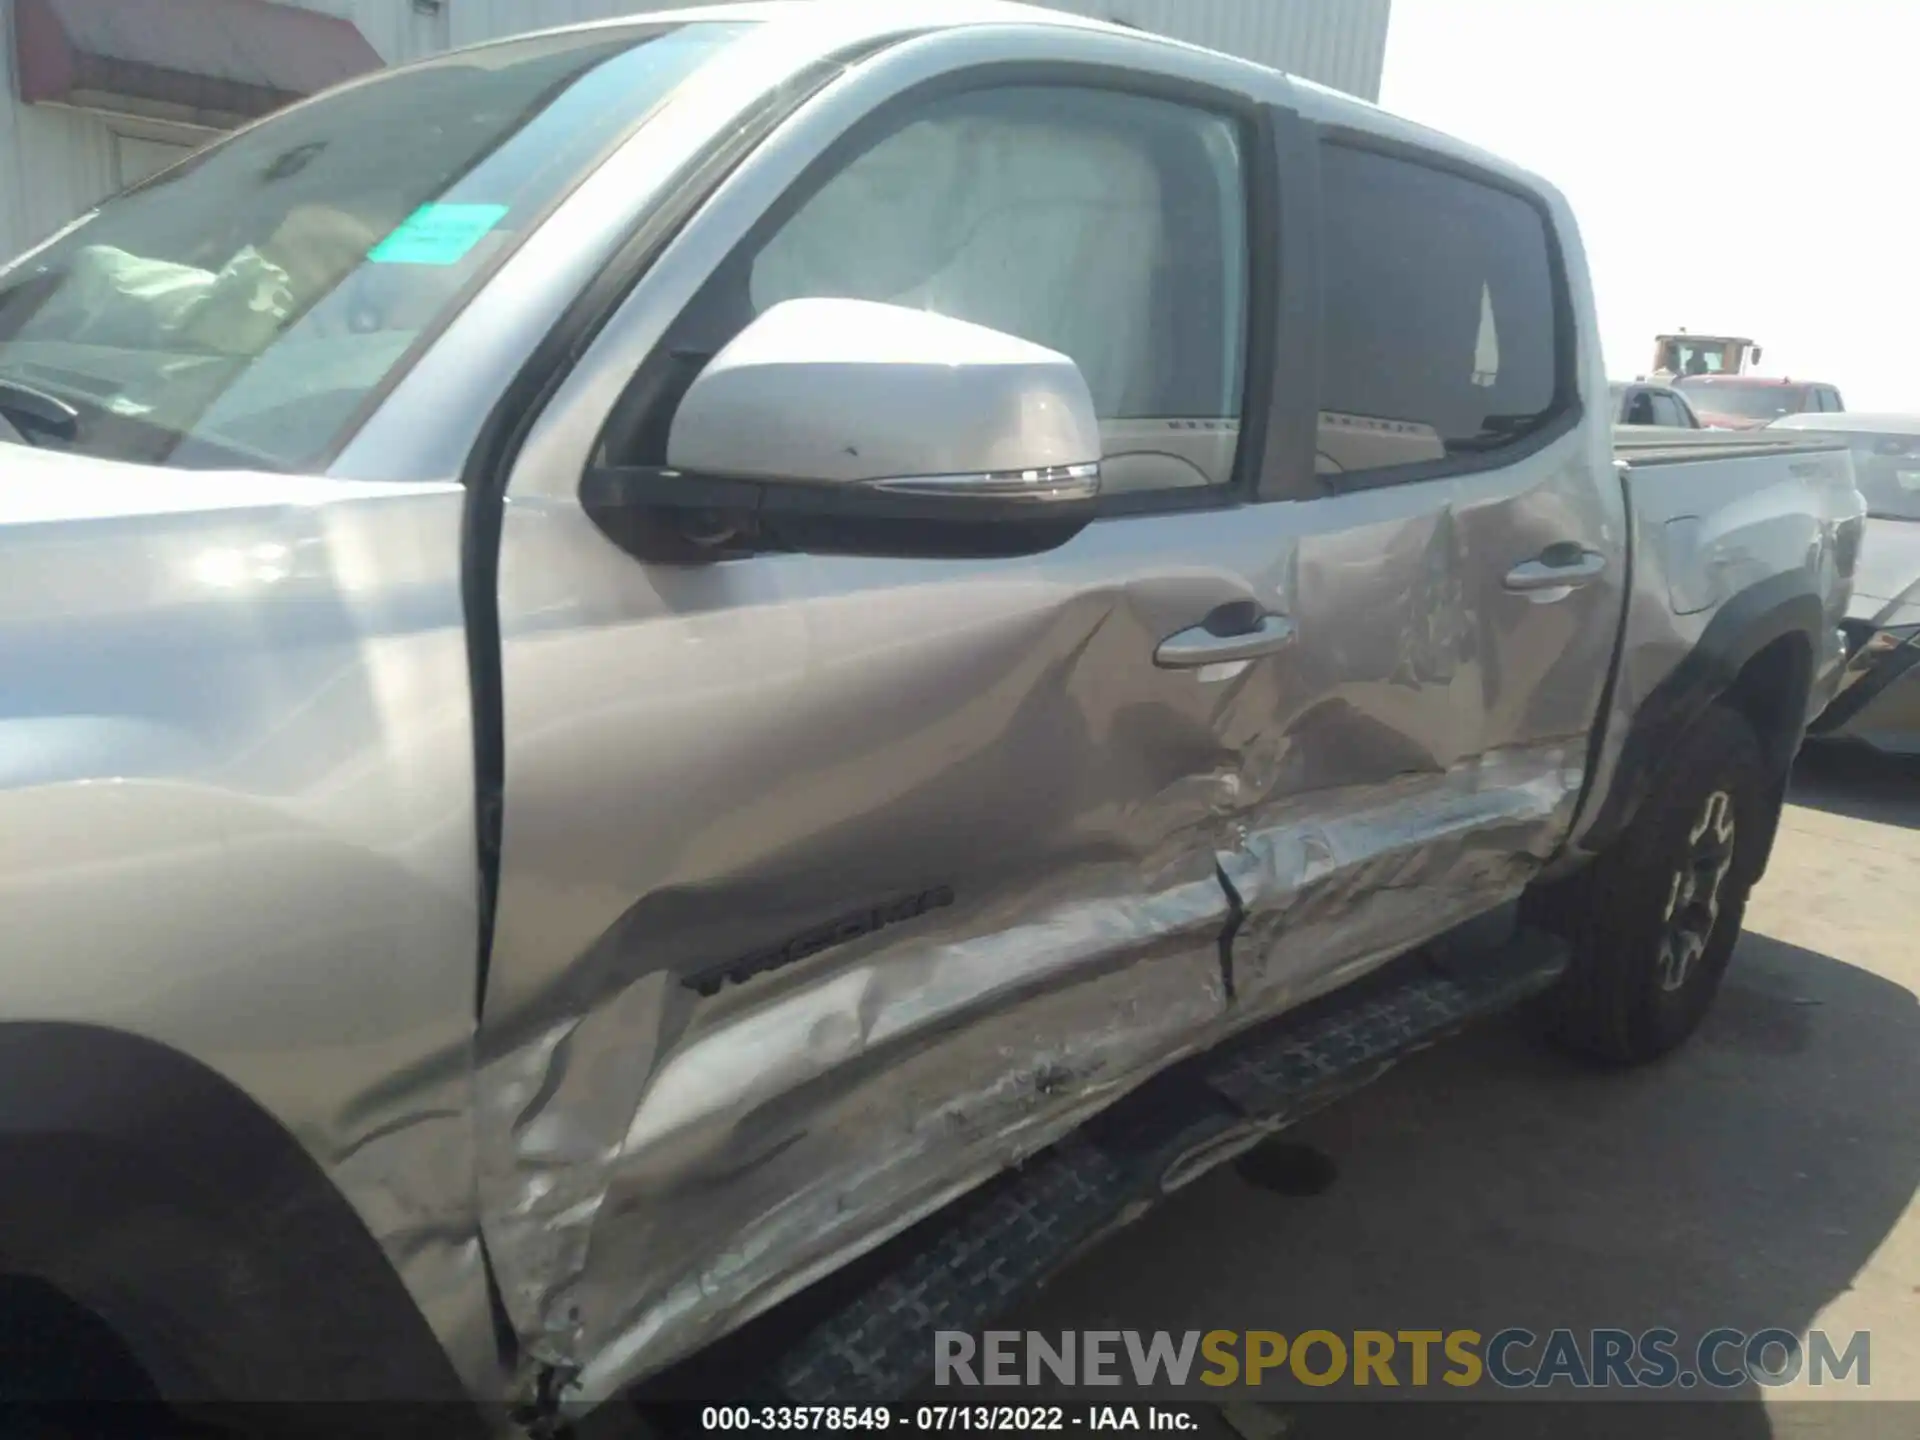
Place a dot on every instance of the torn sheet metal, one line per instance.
(1350, 879)
(774, 1048)
(769, 1141)
(731, 1041)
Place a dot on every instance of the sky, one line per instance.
(1747, 167)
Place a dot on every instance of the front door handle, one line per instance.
(1557, 567)
(1206, 644)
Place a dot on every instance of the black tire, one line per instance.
(1651, 929)
(200, 1335)
(64, 1374)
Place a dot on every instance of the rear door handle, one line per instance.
(1557, 567)
(1206, 644)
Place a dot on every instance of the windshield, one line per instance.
(1746, 402)
(1887, 470)
(1680, 357)
(240, 308)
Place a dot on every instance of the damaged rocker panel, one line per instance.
(821, 937)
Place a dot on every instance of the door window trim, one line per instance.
(1263, 174)
(1569, 406)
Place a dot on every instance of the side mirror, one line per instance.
(850, 426)
(1755, 354)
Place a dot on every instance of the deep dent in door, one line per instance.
(661, 1165)
(665, 1163)
(1411, 792)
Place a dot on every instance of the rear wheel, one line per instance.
(1653, 922)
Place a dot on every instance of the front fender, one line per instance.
(236, 827)
(155, 1192)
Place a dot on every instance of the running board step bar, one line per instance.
(972, 1263)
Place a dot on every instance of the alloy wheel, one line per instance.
(1693, 898)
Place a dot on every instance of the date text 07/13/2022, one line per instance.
(948, 1419)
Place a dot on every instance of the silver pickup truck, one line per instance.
(646, 663)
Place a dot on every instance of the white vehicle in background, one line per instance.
(1878, 703)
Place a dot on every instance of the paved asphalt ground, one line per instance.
(1764, 1176)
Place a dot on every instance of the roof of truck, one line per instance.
(1314, 101)
(883, 20)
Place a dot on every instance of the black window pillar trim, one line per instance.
(1290, 155)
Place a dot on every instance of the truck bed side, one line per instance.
(1743, 552)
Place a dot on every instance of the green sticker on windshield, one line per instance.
(437, 235)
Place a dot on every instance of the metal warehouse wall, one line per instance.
(53, 163)
(1341, 43)
(56, 162)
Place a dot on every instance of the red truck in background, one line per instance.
(1716, 373)
(1751, 402)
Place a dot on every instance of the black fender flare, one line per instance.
(1746, 624)
(153, 1191)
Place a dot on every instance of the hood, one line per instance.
(45, 487)
(151, 615)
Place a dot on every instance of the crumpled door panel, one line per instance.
(832, 886)
(1365, 873)
(1398, 805)
(829, 887)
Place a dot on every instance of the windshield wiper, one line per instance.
(33, 410)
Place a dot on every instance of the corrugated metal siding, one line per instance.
(477, 20)
(55, 163)
(393, 27)
(1341, 43)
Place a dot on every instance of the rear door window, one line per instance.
(1441, 337)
